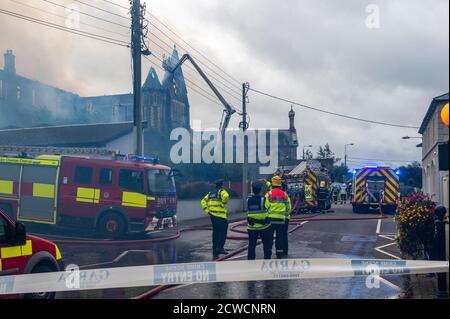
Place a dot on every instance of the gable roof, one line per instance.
(88, 135)
(152, 82)
(439, 100)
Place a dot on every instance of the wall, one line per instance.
(191, 209)
(435, 182)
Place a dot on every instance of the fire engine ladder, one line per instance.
(229, 109)
(48, 150)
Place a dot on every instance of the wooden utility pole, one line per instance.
(244, 126)
(136, 33)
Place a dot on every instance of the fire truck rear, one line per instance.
(111, 197)
(309, 186)
(375, 187)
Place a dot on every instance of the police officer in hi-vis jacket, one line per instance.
(214, 204)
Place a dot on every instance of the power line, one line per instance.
(65, 17)
(205, 57)
(190, 67)
(237, 92)
(332, 113)
(116, 4)
(102, 10)
(382, 160)
(89, 15)
(63, 28)
(200, 61)
(204, 96)
(187, 80)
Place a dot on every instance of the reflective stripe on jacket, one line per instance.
(278, 205)
(215, 203)
(257, 217)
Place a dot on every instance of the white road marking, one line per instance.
(379, 249)
(390, 284)
(378, 227)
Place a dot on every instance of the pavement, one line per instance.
(316, 239)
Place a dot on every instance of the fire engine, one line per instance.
(111, 197)
(309, 186)
(25, 254)
(375, 187)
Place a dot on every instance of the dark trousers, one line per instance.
(281, 240)
(266, 236)
(219, 235)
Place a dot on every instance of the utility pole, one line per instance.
(244, 126)
(136, 33)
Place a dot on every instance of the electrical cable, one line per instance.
(102, 10)
(332, 113)
(89, 15)
(63, 28)
(65, 17)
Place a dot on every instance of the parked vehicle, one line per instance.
(26, 254)
(111, 197)
(375, 187)
(309, 186)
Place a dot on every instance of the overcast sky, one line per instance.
(319, 53)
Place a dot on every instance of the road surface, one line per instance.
(323, 239)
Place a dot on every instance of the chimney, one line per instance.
(10, 62)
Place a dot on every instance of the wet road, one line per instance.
(323, 239)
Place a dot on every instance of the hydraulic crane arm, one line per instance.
(229, 109)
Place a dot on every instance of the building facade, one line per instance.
(29, 103)
(435, 135)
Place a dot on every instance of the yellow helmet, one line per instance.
(276, 181)
(323, 184)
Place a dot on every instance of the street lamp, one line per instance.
(345, 157)
(304, 147)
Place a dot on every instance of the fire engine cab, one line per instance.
(111, 197)
(25, 254)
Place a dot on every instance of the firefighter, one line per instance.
(279, 208)
(343, 194)
(322, 196)
(335, 192)
(258, 224)
(215, 205)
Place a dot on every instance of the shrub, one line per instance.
(415, 225)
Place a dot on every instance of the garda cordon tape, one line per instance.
(73, 279)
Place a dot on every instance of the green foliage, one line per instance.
(415, 224)
(411, 175)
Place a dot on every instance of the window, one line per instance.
(33, 97)
(132, 180)
(18, 93)
(106, 177)
(1, 89)
(83, 175)
(160, 181)
(3, 230)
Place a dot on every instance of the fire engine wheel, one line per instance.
(39, 269)
(112, 225)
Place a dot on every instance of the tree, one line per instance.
(411, 175)
(309, 155)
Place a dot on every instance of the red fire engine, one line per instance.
(112, 197)
(25, 254)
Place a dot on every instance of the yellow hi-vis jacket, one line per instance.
(215, 203)
(278, 205)
(257, 216)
